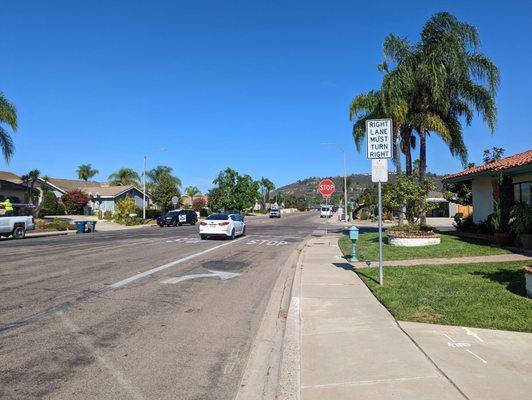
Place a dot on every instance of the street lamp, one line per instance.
(144, 184)
(345, 173)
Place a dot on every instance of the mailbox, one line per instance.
(353, 233)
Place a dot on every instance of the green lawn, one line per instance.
(450, 246)
(490, 295)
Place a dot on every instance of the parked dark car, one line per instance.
(178, 218)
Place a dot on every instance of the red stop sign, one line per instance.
(327, 187)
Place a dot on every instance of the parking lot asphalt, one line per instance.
(144, 314)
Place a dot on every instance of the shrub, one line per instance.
(521, 219)
(74, 201)
(51, 206)
(204, 212)
(57, 224)
(108, 215)
(364, 214)
(123, 209)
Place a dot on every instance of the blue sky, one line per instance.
(251, 85)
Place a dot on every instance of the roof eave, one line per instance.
(508, 171)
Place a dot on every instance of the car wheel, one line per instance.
(203, 237)
(244, 231)
(179, 224)
(19, 232)
(232, 234)
(193, 223)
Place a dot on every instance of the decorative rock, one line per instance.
(413, 241)
(528, 280)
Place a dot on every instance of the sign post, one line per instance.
(379, 150)
(326, 188)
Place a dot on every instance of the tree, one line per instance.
(124, 208)
(410, 195)
(199, 203)
(494, 154)
(50, 205)
(124, 177)
(86, 172)
(74, 201)
(233, 191)
(266, 186)
(192, 191)
(8, 116)
(155, 173)
(163, 189)
(29, 180)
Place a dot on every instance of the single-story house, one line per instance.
(484, 183)
(12, 187)
(103, 196)
(445, 208)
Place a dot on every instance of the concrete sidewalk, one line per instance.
(342, 344)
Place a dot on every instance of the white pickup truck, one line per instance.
(16, 226)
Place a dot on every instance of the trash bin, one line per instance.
(80, 226)
(91, 226)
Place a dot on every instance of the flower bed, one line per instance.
(413, 238)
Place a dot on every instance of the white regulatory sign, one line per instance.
(379, 138)
(379, 170)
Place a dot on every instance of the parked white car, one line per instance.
(222, 225)
(326, 212)
(16, 226)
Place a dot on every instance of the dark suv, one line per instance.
(178, 218)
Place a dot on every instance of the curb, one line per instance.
(47, 234)
(260, 378)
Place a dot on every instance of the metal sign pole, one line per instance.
(381, 273)
(326, 215)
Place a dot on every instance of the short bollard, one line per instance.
(353, 236)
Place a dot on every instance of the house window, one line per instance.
(522, 192)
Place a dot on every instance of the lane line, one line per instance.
(93, 293)
(450, 338)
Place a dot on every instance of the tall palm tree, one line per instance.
(8, 116)
(86, 172)
(156, 173)
(192, 191)
(124, 176)
(29, 180)
(266, 186)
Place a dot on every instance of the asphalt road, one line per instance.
(111, 316)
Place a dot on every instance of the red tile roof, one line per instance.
(516, 160)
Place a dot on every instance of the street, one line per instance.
(121, 315)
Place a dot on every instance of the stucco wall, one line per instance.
(482, 194)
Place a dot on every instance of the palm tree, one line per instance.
(8, 116)
(192, 191)
(266, 186)
(124, 176)
(29, 180)
(86, 172)
(156, 173)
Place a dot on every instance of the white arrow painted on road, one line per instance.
(220, 274)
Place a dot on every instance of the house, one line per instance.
(103, 196)
(484, 183)
(12, 187)
(445, 208)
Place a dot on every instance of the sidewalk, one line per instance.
(342, 344)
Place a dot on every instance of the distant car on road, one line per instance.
(177, 218)
(16, 226)
(236, 212)
(275, 213)
(222, 225)
(326, 212)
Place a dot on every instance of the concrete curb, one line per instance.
(46, 234)
(260, 378)
(290, 370)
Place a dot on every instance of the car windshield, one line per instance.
(171, 213)
(222, 217)
(325, 209)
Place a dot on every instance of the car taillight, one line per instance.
(223, 223)
(203, 223)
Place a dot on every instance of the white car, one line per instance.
(222, 225)
(326, 212)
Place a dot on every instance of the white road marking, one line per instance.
(458, 344)
(450, 338)
(267, 242)
(220, 274)
(185, 240)
(477, 356)
(471, 333)
(165, 266)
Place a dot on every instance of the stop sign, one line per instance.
(327, 187)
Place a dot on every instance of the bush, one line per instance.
(51, 206)
(198, 203)
(205, 212)
(123, 209)
(108, 215)
(57, 224)
(74, 201)
(364, 214)
(413, 228)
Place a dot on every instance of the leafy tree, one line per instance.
(199, 203)
(494, 154)
(459, 193)
(123, 209)
(86, 172)
(163, 189)
(154, 174)
(50, 205)
(410, 195)
(8, 116)
(192, 191)
(233, 191)
(74, 201)
(124, 177)
(266, 186)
